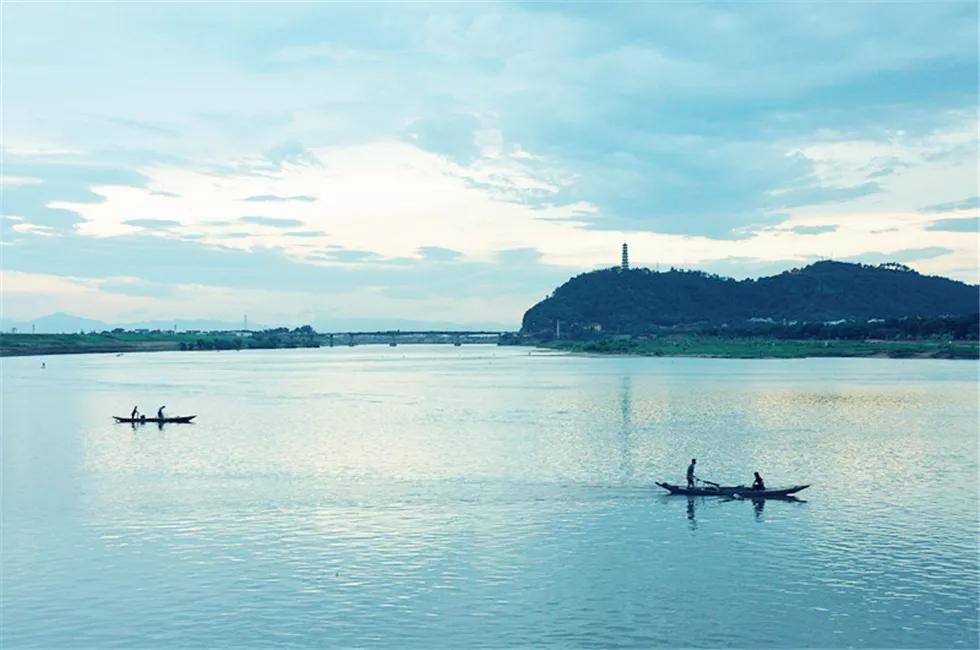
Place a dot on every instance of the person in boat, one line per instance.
(758, 483)
(160, 412)
(135, 414)
(690, 473)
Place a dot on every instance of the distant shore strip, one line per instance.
(683, 345)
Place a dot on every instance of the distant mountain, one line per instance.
(204, 325)
(54, 324)
(633, 301)
(60, 322)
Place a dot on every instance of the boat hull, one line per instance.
(732, 490)
(177, 420)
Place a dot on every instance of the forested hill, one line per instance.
(613, 301)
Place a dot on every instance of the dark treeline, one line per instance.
(279, 337)
(956, 328)
(953, 328)
(823, 300)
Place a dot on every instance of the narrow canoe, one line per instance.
(732, 490)
(183, 419)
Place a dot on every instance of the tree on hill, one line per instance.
(636, 301)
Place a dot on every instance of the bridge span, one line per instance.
(394, 337)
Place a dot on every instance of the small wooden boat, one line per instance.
(732, 491)
(183, 419)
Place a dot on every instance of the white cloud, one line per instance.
(33, 229)
(386, 197)
(650, 116)
(321, 52)
(391, 198)
(39, 150)
(912, 171)
(28, 295)
(19, 180)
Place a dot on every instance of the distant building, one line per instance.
(626, 259)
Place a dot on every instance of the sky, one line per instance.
(317, 163)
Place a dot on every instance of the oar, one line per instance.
(709, 482)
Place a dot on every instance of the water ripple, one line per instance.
(462, 498)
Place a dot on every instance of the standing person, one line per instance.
(135, 414)
(160, 412)
(758, 484)
(690, 473)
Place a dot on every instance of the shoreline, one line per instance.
(685, 347)
(708, 347)
(42, 345)
(35, 345)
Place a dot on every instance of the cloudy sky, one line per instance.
(310, 163)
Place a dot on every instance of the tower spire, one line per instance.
(626, 259)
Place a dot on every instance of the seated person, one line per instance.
(758, 484)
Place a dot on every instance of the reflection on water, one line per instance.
(758, 505)
(484, 497)
(626, 408)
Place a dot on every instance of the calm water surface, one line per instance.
(484, 497)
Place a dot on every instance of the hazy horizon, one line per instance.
(62, 322)
(59, 321)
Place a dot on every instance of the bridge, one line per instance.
(394, 337)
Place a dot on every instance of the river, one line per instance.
(441, 497)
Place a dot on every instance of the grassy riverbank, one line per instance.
(761, 348)
(44, 344)
(686, 345)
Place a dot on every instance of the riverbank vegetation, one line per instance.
(693, 345)
(119, 340)
(155, 341)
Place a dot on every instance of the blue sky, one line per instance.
(455, 162)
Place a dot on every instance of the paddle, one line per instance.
(709, 482)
